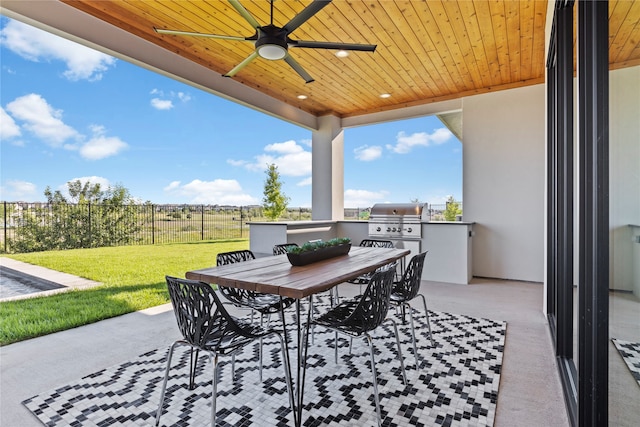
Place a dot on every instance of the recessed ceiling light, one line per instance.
(342, 54)
(385, 95)
(302, 96)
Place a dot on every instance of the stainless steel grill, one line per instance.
(397, 221)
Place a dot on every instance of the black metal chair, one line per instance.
(358, 316)
(408, 288)
(370, 243)
(206, 325)
(265, 304)
(283, 248)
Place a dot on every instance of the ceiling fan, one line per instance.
(272, 42)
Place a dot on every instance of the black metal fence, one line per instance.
(29, 227)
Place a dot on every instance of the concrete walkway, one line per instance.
(530, 390)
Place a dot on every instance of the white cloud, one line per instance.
(172, 186)
(45, 122)
(101, 146)
(41, 119)
(161, 104)
(8, 127)
(18, 190)
(184, 97)
(367, 154)
(363, 198)
(290, 158)
(405, 143)
(36, 45)
(164, 101)
(305, 182)
(218, 191)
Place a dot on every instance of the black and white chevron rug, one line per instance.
(630, 353)
(456, 385)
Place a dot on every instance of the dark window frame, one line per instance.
(585, 387)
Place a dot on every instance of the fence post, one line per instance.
(202, 222)
(241, 222)
(153, 224)
(90, 228)
(5, 227)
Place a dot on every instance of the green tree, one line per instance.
(93, 218)
(274, 201)
(452, 210)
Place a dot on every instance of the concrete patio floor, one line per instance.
(530, 390)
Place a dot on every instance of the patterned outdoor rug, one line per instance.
(456, 385)
(630, 352)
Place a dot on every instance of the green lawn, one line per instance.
(132, 278)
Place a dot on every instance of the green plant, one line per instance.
(275, 201)
(319, 244)
(452, 210)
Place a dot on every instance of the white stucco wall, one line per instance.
(503, 182)
(624, 177)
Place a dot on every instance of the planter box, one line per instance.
(309, 257)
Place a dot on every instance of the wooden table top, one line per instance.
(275, 275)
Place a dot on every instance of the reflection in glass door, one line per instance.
(624, 258)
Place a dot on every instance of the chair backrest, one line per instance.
(224, 258)
(283, 248)
(373, 243)
(202, 319)
(235, 295)
(409, 285)
(374, 303)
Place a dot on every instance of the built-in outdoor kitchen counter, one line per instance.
(449, 243)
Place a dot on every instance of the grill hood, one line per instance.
(398, 210)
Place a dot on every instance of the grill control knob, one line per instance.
(388, 229)
(409, 230)
(378, 229)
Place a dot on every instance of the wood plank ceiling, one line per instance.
(427, 51)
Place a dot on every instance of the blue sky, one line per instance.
(68, 112)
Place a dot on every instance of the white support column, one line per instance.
(327, 196)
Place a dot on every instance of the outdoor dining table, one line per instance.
(275, 275)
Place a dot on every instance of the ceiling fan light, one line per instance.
(272, 52)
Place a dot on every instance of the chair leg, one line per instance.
(233, 368)
(193, 364)
(214, 387)
(287, 373)
(261, 344)
(426, 313)
(164, 383)
(413, 335)
(400, 358)
(375, 380)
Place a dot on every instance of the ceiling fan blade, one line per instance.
(244, 13)
(298, 68)
(330, 45)
(241, 65)
(189, 33)
(306, 13)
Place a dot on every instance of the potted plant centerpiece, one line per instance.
(318, 251)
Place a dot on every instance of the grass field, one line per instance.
(132, 279)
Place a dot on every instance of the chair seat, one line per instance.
(266, 303)
(338, 318)
(398, 297)
(225, 342)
